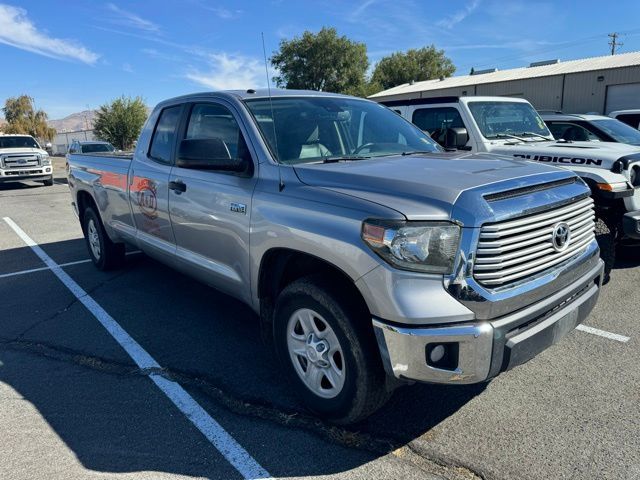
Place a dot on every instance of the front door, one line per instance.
(211, 213)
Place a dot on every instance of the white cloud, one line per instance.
(460, 15)
(225, 13)
(127, 67)
(230, 72)
(18, 31)
(361, 8)
(130, 19)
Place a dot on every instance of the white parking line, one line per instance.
(40, 269)
(241, 460)
(603, 333)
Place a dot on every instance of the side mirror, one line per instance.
(208, 154)
(457, 138)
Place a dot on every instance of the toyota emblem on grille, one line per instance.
(561, 235)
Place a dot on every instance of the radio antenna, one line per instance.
(273, 117)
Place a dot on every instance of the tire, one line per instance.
(341, 325)
(48, 182)
(606, 236)
(105, 254)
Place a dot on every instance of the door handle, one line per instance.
(178, 186)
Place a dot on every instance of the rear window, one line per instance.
(164, 134)
(97, 148)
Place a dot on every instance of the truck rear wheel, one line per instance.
(606, 236)
(105, 254)
(328, 349)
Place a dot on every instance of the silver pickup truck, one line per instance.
(372, 256)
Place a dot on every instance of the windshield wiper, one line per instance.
(416, 152)
(343, 158)
(533, 134)
(506, 135)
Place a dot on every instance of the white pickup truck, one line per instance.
(22, 159)
(512, 127)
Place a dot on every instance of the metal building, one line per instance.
(598, 84)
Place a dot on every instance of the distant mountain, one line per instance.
(74, 122)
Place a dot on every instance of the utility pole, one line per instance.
(614, 42)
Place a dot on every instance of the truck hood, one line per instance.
(425, 187)
(21, 150)
(586, 154)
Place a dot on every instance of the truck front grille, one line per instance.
(20, 161)
(513, 250)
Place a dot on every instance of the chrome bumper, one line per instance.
(486, 348)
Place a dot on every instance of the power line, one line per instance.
(614, 43)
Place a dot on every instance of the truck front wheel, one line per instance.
(105, 254)
(328, 349)
(606, 233)
(48, 182)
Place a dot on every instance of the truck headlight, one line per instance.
(45, 159)
(428, 247)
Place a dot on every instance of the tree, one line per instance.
(120, 121)
(322, 61)
(413, 65)
(23, 118)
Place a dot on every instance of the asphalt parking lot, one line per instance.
(73, 404)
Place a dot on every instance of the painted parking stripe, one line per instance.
(603, 333)
(40, 269)
(235, 454)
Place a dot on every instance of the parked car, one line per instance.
(91, 146)
(363, 246)
(630, 117)
(23, 159)
(589, 128)
(511, 126)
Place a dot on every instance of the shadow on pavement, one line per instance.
(210, 341)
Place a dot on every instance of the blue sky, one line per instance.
(72, 54)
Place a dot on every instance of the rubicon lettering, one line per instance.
(550, 159)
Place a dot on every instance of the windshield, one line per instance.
(312, 129)
(501, 119)
(97, 147)
(18, 142)
(620, 132)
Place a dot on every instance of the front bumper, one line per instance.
(486, 348)
(39, 174)
(631, 225)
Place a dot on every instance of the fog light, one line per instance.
(47, 170)
(442, 355)
(437, 353)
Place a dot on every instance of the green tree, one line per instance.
(120, 121)
(321, 61)
(22, 117)
(413, 65)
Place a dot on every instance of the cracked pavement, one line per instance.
(74, 405)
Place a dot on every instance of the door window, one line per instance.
(436, 121)
(212, 121)
(164, 135)
(571, 132)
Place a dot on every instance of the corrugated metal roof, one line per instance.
(571, 66)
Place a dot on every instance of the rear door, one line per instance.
(210, 212)
(149, 185)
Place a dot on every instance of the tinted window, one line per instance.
(572, 132)
(18, 142)
(97, 148)
(164, 135)
(213, 121)
(630, 119)
(432, 119)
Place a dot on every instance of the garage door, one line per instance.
(622, 97)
